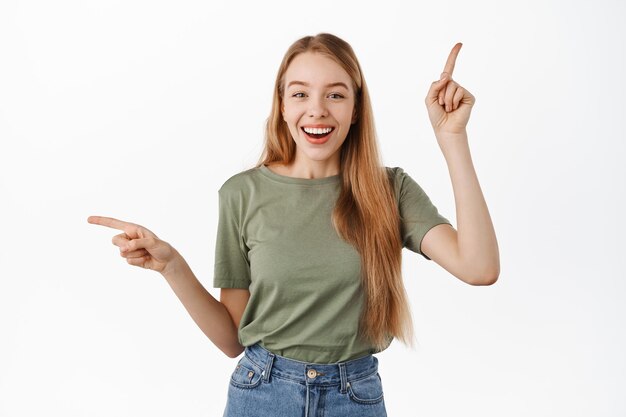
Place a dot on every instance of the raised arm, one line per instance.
(471, 253)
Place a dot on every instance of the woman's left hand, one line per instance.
(449, 105)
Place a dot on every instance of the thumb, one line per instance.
(140, 243)
(436, 87)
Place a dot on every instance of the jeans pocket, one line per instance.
(247, 374)
(367, 390)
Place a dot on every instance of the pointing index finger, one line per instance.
(111, 222)
(452, 59)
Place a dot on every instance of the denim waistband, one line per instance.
(340, 373)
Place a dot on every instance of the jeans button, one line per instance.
(312, 373)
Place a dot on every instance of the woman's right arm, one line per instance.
(143, 248)
(210, 315)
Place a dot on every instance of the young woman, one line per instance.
(309, 241)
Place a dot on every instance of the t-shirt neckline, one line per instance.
(293, 180)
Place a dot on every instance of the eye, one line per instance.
(298, 95)
(336, 95)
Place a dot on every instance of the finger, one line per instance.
(435, 88)
(443, 90)
(132, 230)
(442, 94)
(134, 254)
(138, 261)
(121, 240)
(449, 68)
(450, 90)
(135, 244)
(113, 223)
(468, 98)
(458, 96)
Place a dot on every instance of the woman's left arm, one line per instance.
(471, 253)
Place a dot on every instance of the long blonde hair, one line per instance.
(366, 212)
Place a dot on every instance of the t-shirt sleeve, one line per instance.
(232, 266)
(417, 212)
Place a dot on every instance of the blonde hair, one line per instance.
(366, 212)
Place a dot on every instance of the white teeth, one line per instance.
(317, 131)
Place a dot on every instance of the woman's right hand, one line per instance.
(139, 245)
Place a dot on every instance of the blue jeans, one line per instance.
(264, 384)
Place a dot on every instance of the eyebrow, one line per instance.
(338, 84)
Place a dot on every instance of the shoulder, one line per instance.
(236, 190)
(406, 188)
(399, 179)
(397, 174)
(239, 182)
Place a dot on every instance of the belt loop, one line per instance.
(268, 367)
(344, 379)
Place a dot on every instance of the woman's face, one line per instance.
(318, 106)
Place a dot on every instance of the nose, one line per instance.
(317, 107)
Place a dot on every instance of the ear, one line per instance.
(354, 116)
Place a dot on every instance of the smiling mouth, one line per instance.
(319, 133)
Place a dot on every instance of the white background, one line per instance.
(140, 110)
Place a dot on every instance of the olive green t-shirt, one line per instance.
(275, 237)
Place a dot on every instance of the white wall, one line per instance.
(140, 110)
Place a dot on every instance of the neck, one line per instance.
(307, 169)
